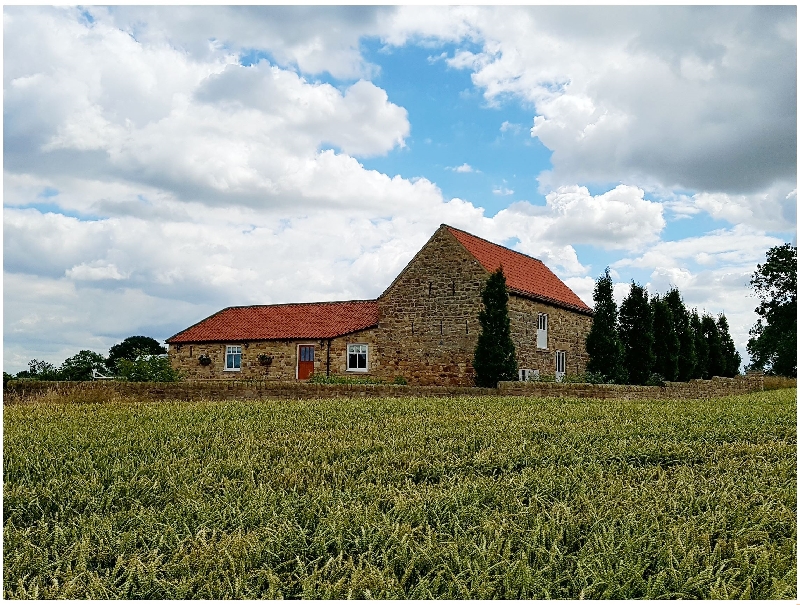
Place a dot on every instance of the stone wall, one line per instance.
(694, 389)
(428, 325)
(21, 390)
(566, 331)
(185, 358)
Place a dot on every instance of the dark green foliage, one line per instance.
(131, 348)
(40, 370)
(773, 342)
(80, 366)
(147, 368)
(687, 357)
(710, 331)
(404, 498)
(603, 345)
(495, 357)
(700, 346)
(731, 360)
(636, 334)
(666, 346)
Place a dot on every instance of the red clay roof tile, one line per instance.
(524, 274)
(279, 322)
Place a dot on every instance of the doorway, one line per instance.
(305, 362)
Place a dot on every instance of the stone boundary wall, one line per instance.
(694, 389)
(16, 390)
(191, 390)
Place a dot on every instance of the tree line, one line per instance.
(653, 339)
(137, 359)
(650, 339)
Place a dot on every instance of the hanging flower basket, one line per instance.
(265, 359)
(204, 360)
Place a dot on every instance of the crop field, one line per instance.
(411, 498)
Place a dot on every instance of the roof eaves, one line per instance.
(552, 301)
(168, 340)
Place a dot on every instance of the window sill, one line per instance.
(232, 370)
(358, 371)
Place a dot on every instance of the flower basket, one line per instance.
(204, 360)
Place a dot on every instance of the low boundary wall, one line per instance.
(694, 389)
(229, 389)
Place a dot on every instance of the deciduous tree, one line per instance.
(80, 366)
(773, 339)
(131, 348)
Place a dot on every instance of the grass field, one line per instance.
(414, 498)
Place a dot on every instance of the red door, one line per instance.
(305, 363)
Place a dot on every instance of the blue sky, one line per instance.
(161, 163)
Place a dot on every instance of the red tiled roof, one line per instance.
(278, 322)
(523, 273)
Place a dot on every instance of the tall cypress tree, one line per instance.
(666, 346)
(603, 345)
(687, 357)
(730, 356)
(636, 334)
(716, 364)
(495, 356)
(700, 346)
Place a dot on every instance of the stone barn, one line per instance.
(423, 327)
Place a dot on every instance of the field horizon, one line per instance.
(463, 497)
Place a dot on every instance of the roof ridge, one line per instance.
(538, 260)
(296, 304)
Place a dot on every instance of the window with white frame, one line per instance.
(356, 358)
(561, 364)
(541, 332)
(233, 358)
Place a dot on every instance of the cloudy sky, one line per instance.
(163, 163)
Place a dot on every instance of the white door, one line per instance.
(561, 365)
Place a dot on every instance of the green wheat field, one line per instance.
(405, 498)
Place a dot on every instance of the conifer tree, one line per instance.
(636, 334)
(731, 360)
(715, 365)
(495, 355)
(687, 357)
(700, 346)
(603, 345)
(666, 346)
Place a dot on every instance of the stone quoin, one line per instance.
(424, 327)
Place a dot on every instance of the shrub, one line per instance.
(148, 368)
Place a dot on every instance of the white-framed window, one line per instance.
(233, 358)
(541, 332)
(357, 358)
(561, 364)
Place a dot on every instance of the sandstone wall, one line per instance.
(429, 321)
(185, 358)
(694, 389)
(99, 391)
(567, 332)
